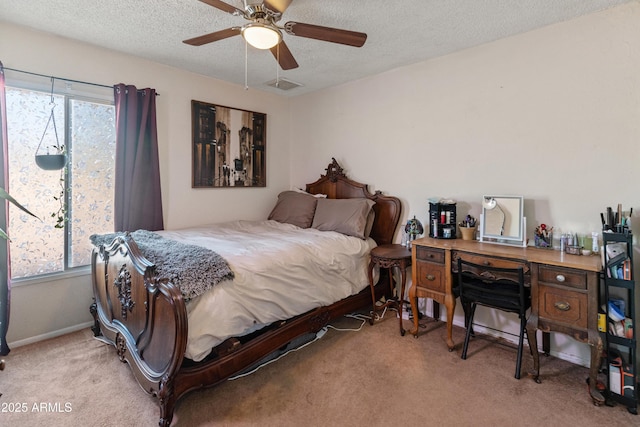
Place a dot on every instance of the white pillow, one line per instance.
(300, 190)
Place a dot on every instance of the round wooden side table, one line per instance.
(390, 257)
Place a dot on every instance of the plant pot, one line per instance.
(51, 162)
(468, 233)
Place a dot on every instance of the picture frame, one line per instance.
(228, 146)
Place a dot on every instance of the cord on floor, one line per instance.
(362, 317)
(319, 335)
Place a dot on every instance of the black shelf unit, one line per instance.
(620, 351)
(442, 220)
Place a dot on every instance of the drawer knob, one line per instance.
(487, 263)
(562, 306)
(431, 277)
(560, 278)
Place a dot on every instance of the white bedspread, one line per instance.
(280, 271)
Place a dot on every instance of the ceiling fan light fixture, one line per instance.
(261, 36)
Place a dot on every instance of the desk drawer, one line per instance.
(563, 305)
(430, 254)
(487, 261)
(562, 276)
(430, 276)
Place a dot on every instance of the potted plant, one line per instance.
(4, 349)
(58, 159)
(54, 161)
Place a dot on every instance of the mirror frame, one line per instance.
(519, 239)
(228, 147)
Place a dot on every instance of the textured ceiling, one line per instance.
(399, 32)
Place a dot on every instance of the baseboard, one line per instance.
(572, 358)
(49, 335)
(459, 321)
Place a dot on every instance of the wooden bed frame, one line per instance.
(145, 317)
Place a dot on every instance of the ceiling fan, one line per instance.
(263, 31)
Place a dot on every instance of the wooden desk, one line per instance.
(564, 289)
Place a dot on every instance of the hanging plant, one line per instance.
(57, 160)
(54, 161)
(51, 161)
(61, 214)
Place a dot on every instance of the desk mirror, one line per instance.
(502, 220)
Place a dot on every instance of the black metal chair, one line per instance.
(499, 288)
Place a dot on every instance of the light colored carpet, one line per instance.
(371, 377)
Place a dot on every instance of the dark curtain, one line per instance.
(138, 201)
(5, 268)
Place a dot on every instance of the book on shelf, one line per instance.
(626, 269)
(622, 270)
(618, 262)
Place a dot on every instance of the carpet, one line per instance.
(369, 377)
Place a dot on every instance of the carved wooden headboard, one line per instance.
(336, 185)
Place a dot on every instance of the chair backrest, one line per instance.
(501, 288)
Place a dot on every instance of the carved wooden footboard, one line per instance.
(145, 317)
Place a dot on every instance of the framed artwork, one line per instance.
(229, 146)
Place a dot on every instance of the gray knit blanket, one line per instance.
(192, 268)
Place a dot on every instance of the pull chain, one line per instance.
(246, 55)
(278, 65)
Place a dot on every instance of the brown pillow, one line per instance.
(346, 216)
(294, 208)
(370, 219)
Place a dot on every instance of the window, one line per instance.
(86, 127)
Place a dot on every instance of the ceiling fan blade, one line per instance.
(284, 56)
(213, 37)
(223, 6)
(278, 5)
(326, 34)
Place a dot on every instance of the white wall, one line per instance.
(44, 307)
(553, 115)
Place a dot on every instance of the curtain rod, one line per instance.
(61, 78)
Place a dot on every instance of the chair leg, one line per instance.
(472, 310)
(523, 324)
(466, 308)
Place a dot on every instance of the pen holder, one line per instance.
(545, 242)
(468, 233)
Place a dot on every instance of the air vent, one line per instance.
(283, 84)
